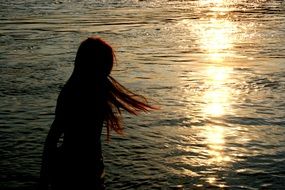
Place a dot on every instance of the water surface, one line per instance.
(215, 67)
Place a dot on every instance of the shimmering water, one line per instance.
(215, 67)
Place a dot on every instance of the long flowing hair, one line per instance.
(94, 60)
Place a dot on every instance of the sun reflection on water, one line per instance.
(216, 39)
(217, 73)
(217, 100)
(211, 1)
(217, 97)
(215, 139)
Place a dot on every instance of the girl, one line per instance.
(90, 99)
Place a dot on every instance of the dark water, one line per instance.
(215, 67)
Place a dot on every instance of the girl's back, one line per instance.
(80, 155)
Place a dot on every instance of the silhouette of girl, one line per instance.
(90, 99)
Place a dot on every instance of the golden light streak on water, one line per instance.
(217, 97)
(215, 140)
(216, 2)
(216, 38)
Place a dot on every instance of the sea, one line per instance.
(214, 68)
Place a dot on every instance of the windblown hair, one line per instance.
(119, 98)
(95, 59)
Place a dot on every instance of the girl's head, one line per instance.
(94, 58)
